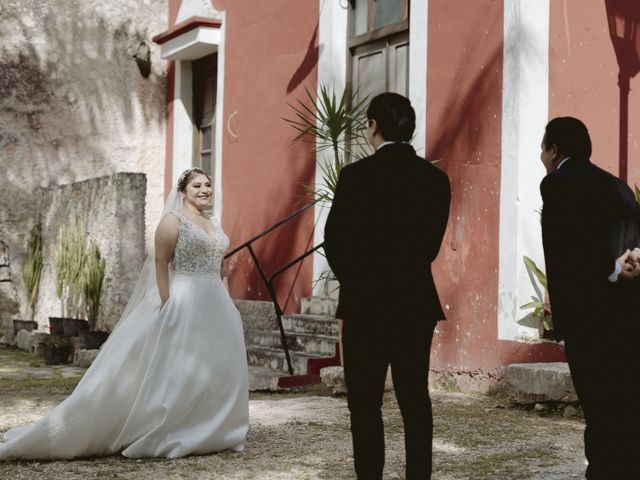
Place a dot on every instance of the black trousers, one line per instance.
(369, 349)
(604, 368)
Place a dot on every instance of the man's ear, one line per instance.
(374, 126)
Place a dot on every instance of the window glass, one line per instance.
(360, 15)
(387, 12)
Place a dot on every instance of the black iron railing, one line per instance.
(269, 281)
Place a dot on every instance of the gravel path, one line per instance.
(305, 436)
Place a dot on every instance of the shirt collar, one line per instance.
(562, 162)
(387, 143)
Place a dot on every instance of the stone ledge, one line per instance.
(333, 377)
(539, 382)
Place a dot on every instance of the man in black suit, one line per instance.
(590, 225)
(384, 229)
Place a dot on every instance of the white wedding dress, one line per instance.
(167, 383)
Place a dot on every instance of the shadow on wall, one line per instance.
(308, 63)
(465, 136)
(79, 98)
(67, 85)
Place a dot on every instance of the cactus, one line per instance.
(33, 266)
(92, 278)
(71, 247)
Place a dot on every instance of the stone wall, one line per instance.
(82, 95)
(112, 209)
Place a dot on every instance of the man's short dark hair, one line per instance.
(394, 115)
(570, 135)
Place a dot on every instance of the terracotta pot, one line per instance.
(93, 340)
(55, 325)
(56, 355)
(71, 327)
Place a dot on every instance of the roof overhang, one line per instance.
(194, 38)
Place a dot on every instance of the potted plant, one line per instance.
(31, 273)
(91, 280)
(540, 306)
(71, 246)
(57, 349)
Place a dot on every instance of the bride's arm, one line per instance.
(165, 243)
(224, 274)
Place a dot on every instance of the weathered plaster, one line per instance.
(82, 94)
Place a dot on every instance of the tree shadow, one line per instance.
(309, 61)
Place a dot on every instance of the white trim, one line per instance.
(196, 8)
(220, 123)
(182, 118)
(332, 72)
(418, 38)
(524, 115)
(196, 43)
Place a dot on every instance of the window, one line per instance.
(379, 47)
(371, 19)
(204, 107)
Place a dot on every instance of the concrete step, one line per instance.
(536, 382)
(297, 342)
(275, 359)
(310, 324)
(261, 378)
(256, 314)
(319, 306)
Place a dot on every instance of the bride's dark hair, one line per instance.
(187, 175)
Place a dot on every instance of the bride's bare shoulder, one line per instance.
(168, 225)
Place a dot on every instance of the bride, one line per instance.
(172, 379)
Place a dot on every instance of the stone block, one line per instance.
(333, 377)
(84, 358)
(256, 315)
(529, 382)
(24, 340)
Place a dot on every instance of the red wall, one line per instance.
(464, 115)
(583, 81)
(270, 56)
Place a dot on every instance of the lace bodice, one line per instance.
(196, 252)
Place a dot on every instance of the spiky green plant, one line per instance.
(637, 194)
(92, 280)
(539, 306)
(333, 122)
(33, 266)
(71, 246)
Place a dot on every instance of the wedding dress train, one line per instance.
(167, 383)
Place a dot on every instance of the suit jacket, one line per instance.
(589, 218)
(384, 229)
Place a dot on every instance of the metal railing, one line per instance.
(269, 281)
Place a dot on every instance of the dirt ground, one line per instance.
(306, 436)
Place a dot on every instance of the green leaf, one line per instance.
(533, 268)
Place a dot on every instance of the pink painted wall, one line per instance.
(270, 56)
(583, 81)
(464, 115)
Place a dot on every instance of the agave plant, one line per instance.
(91, 280)
(33, 266)
(333, 122)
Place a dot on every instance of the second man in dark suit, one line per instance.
(384, 229)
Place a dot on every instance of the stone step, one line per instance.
(536, 382)
(319, 306)
(311, 324)
(275, 359)
(261, 378)
(297, 342)
(256, 314)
